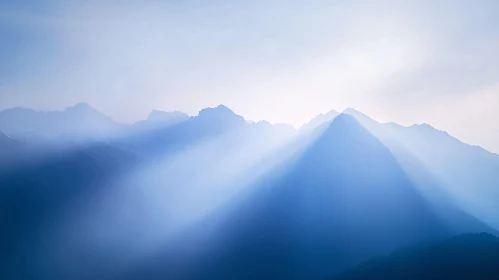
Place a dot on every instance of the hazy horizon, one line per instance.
(280, 61)
(297, 127)
(242, 140)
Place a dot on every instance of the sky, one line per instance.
(430, 61)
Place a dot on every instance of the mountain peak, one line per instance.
(342, 124)
(353, 112)
(163, 116)
(344, 119)
(220, 114)
(82, 104)
(222, 108)
(326, 117)
(263, 123)
(319, 120)
(219, 111)
(366, 121)
(332, 113)
(346, 124)
(423, 126)
(82, 107)
(361, 117)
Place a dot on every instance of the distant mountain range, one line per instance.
(79, 120)
(82, 122)
(214, 196)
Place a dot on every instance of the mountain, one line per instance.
(469, 256)
(221, 115)
(160, 119)
(42, 198)
(318, 121)
(281, 129)
(168, 117)
(215, 197)
(80, 120)
(368, 123)
(39, 197)
(208, 124)
(468, 174)
(341, 201)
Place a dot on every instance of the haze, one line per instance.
(281, 61)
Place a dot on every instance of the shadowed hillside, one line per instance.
(470, 256)
(467, 174)
(341, 201)
(216, 197)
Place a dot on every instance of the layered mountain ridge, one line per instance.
(215, 197)
(344, 199)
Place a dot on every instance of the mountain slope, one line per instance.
(42, 199)
(342, 201)
(36, 198)
(318, 121)
(471, 256)
(349, 195)
(468, 174)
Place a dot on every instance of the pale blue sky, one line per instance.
(284, 61)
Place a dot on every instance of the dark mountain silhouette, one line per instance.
(342, 201)
(36, 197)
(470, 256)
(40, 196)
(80, 120)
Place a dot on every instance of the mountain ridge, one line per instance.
(36, 117)
(275, 230)
(344, 190)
